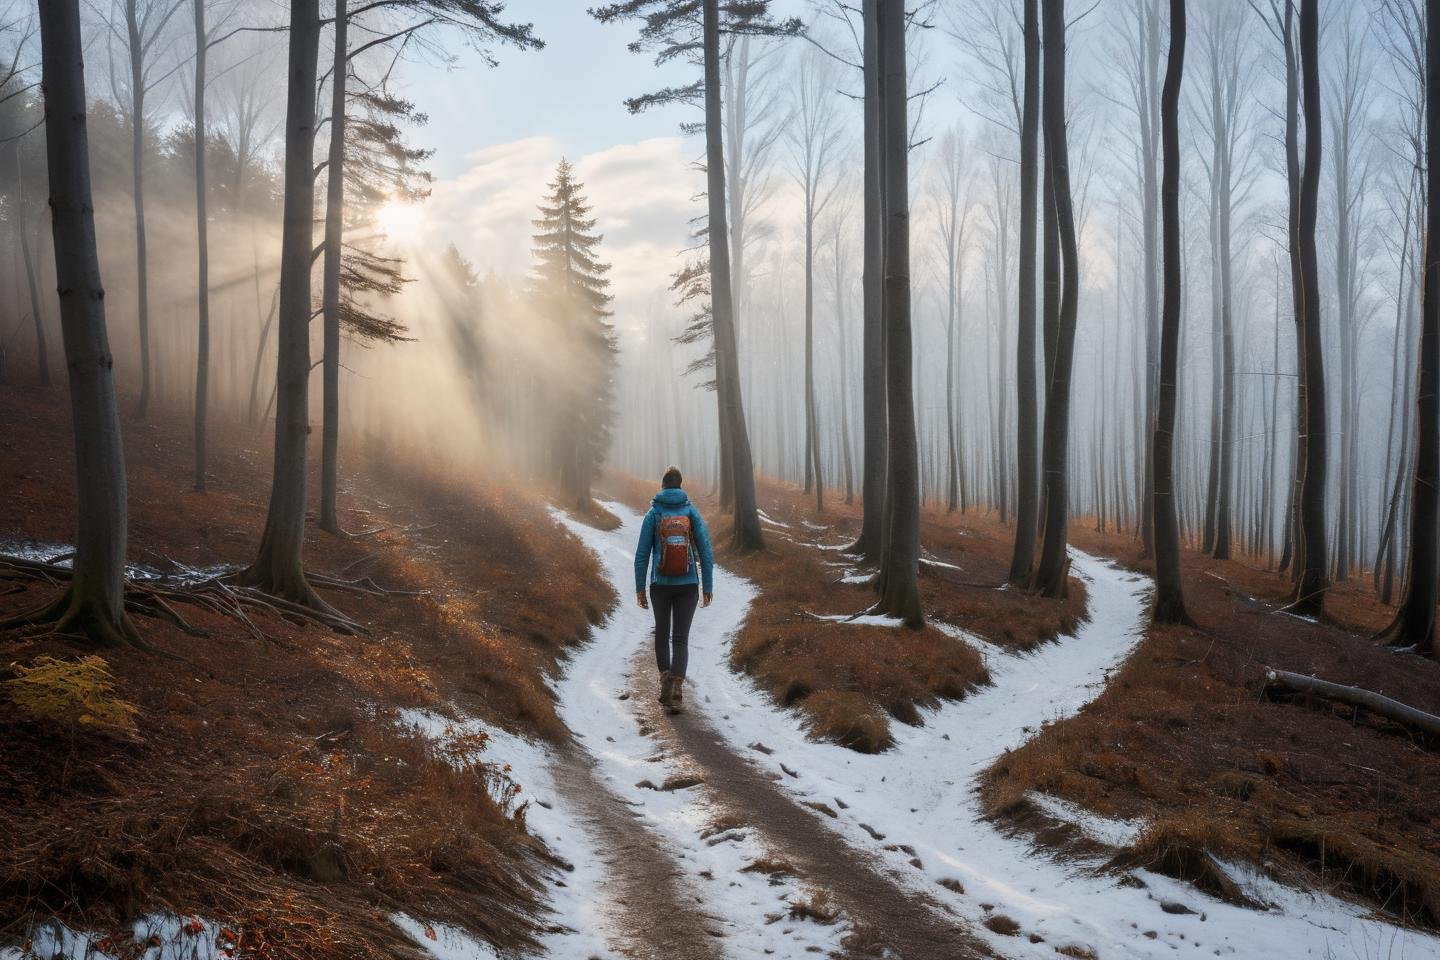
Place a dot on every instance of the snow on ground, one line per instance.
(765, 517)
(746, 905)
(921, 796)
(863, 620)
(160, 936)
(576, 896)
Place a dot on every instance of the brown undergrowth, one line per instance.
(850, 681)
(1186, 737)
(266, 784)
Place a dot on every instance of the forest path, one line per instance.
(718, 812)
(898, 841)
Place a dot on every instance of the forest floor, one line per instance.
(486, 772)
(270, 782)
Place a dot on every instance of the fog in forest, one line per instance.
(446, 356)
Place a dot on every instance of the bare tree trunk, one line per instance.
(202, 246)
(874, 454)
(813, 472)
(842, 338)
(22, 230)
(135, 45)
(1405, 305)
(1309, 597)
(278, 567)
(1027, 493)
(1149, 134)
(899, 566)
(330, 291)
(1052, 573)
(952, 462)
(747, 518)
(95, 599)
(1414, 624)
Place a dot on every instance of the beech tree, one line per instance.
(1052, 572)
(1169, 594)
(278, 568)
(1311, 569)
(1414, 623)
(145, 24)
(95, 600)
(814, 141)
(1026, 466)
(954, 217)
(898, 580)
(692, 29)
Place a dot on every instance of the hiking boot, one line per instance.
(667, 686)
(677, 695)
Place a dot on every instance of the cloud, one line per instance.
(643, 195)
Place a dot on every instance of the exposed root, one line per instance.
(82, 616)
(157, 597)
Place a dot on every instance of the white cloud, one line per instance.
(643, 195)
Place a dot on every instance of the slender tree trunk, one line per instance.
(1149, 134)
(874, 453)
(1414, 623)
(899, 568)
(202, 246)
(842, 338)
(1310, 590)
(137, 165)
(1022, 556)
(95, 600)
(747, 518)
(952, 462)
(812, 427)
(1169, 592)
(330, 295)
(1052, 573)
(279, 567)
(37, 313)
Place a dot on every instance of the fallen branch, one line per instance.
(1376, 703)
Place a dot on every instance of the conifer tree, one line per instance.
(571, 294)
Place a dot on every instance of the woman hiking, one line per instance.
(674, 558)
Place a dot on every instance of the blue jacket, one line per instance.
(672, 502)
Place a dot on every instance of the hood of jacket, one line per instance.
(671, 498)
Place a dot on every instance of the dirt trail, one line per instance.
(886, 916)
(654, 917)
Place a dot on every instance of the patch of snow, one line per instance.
(766, 518)
(931, 562)
(157, 936)
(1107, 830)
(922, 794)
(856, 576)
(577, 896)
(864, 620)
(814, 526)
(444, 942)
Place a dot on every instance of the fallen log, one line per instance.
(1377, 703)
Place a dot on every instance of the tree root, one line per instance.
(158, 597)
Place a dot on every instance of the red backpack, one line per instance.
(675, 539)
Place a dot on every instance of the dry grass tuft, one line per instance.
(1001, 924)
(818, 907)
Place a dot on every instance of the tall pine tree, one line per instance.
(571, 297)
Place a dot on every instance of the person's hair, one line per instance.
(671, 479)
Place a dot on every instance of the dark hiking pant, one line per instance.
(674, 606)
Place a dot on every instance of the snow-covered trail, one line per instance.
(915, 807)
